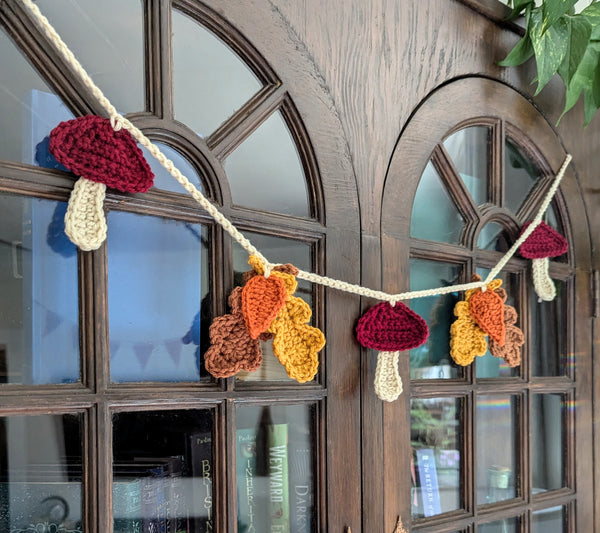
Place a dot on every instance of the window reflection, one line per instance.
(494, 237)
(508, 525)
(210, 82)
(442, 224)
(547, 442)
(156, 265)
(551, 520)
(520, 175)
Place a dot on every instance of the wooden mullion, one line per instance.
(104, 518)
(467, 466)
(87, 348)
(97, 324)
(224, 449)
(90, 471)
(158, 71)
(496, 164)
(523, 445)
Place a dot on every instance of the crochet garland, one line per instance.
(104, 153)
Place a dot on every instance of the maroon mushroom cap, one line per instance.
(543, 242)
(90, 147)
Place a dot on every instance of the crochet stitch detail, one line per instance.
(262, 299)
(390, 328)
(486, 308)
(89, 147)
(542, 282)
(511, 351)
(388, 383)
(467, 339)
(85, 223)
(232, 349)
(543, 242)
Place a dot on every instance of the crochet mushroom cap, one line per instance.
(543, 242)
(89, 147)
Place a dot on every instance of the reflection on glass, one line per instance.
(265, 171)
(435, 439)
(158, 297)
(42, 482)
(469, 150)
(489, 366)
(210, 82)
(497, 475)
(107, 38)
(432, 360)
(28, 109)
(277, 250)
(493, 237)
(275, 444)
(508, 525)
(162, 178)
(442, 224)
(547, 442)
(547, 340)
(520, 174)
(39, 321)
(551, 520)
(166, 479)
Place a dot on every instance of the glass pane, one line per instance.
(276, 468)
(432, 360)
(547, 424)
(497, 474)
(551, 520)
(520, 174)
(28, 109)
(489, 366)
(435, 438)
(469, 150)
(158, 296)
(508, 525)
(442, 224)
(108, 40)
(162, 179)
(210, 82)
(39, 320)
(41, 474)
(265, 171)
(277, 250)
(547, 340)
(163, 484)
(494, 237)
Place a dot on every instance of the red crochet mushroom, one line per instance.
(542, 244)
(91, 148)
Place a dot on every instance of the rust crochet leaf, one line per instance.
(487, 310)
(511, 351)
(262, 299)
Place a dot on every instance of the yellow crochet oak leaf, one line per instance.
(296, 344)
(467, 339)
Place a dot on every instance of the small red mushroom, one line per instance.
(542, 244)
(90, 147)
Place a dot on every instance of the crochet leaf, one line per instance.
(511, 351)
(390, 328)
(89, 147)
(296, 344)
(467, 339)
(486, 308)
(232, 349)
(262, 299)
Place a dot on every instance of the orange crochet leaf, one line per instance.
(487, 310)
(296, 344)
(262, 299)
(467, 339)
(511, 351)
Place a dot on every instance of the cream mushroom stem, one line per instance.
(85, 223)
(542, 282)
(388, 383)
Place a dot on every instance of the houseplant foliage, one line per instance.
(563, 42)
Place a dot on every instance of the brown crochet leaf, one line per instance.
(232, 349)
(487, 309)
(262, 299)
(514, 339)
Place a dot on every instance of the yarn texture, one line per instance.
(262, 299)
(89, 147)
(388, 328)
(467, 339)
(232, 348)
(85, 223)
(388, 383)
(511, 351)
(486, 308)
(543, 242)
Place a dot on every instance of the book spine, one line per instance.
(202, 472)
(429, 483)
(279, 502)
(301, 482)
(246, 480)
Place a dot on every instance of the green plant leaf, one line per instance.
(589, 105)
(552, 10)
(579, 37)
(522, 51)
(592, 14)
(550, 47)
(519, 6)
(584, 76)
(596, 86)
